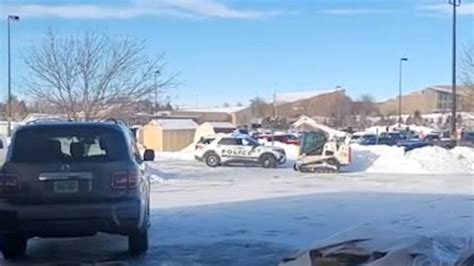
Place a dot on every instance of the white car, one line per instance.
(223, 149)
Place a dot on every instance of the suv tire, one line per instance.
(138, 242)
(14, 247)
(268, 161)
(212, 159)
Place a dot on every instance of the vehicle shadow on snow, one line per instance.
(260, 232)
(361, 161)
(104, 250)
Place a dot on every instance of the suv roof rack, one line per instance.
(115, 121)
(47, 120)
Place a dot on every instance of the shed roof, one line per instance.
(175, 124)
(225, 110)
(221, 125)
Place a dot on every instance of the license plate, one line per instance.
(66, 186)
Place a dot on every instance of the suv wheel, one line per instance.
(138, 242)
(212, 160)
(14, 246)
(268, 161)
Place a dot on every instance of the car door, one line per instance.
(229, 149)
(249, 149)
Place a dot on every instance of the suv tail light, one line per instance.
(125, 180)
(9, 184)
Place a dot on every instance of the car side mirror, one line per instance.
(149, 155)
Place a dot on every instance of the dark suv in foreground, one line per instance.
(68, 179)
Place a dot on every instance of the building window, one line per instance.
(444, 101)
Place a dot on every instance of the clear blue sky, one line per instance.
(230, 50)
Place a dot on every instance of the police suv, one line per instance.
(224, 149)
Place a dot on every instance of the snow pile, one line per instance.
(190, 148)
(465, 154)
(382, 159)
(358, 245)
(440, 160)
(386, 159)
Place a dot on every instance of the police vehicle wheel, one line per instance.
(212, 160)
(268, 161)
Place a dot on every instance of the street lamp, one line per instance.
(455, 4)
(400, 80)
(336, 122)
(156, 73)
(9, 101)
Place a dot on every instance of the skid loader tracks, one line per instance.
(319, 170)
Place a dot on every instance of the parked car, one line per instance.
(68, 179)
(229, 150)
(3, 148)
(367, 136)
(355, 137)
(377, 141)
(396, 136)
(284, 138)
(410, 145)
(432, 138)
(468, 136)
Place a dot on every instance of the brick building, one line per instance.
(435, 99)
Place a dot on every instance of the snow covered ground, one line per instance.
(255, 216)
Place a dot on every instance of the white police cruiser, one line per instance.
(225, 149)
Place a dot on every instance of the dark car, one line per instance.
(432, 138)
(283, 138)
(71, 179)
(377, 141)
(410, 145)
(468, 137)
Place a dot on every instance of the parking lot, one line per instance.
(254, 216)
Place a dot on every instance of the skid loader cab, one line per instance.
(312, 143)
(320, 154)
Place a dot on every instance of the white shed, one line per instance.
(167, 134)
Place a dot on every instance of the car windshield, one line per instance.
(71, 144)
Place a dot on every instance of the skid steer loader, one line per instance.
(318, 154)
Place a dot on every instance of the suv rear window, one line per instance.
(230, 141)
(71, 144)
(206, 141)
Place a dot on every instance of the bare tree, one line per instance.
(362, 108)
(93, 75)
(258, 107)
(417, 118)
(467, 77)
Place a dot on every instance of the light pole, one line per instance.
(335, 106)
(400, 80)
(455, 4)
(9, 100)
(156, 73)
